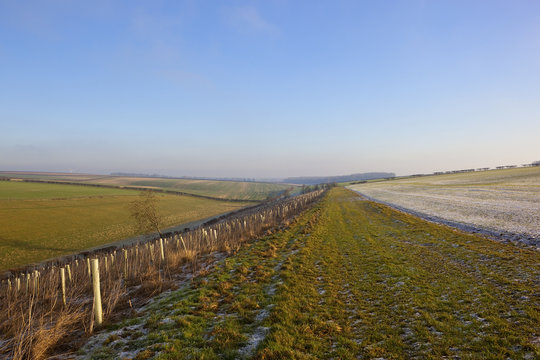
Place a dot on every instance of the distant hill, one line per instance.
(313, 180)
(186, 177)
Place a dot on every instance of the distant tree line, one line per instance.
(534, 163)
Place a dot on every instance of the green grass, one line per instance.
(41, 221)
(221, 189)
(351, 279)
(14, 190)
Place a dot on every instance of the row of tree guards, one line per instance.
(93, 284)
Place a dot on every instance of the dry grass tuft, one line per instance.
(38, 332)
(270, 252)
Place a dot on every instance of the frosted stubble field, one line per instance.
(507, 200)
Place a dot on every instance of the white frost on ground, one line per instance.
(254, 340)
(508, 205)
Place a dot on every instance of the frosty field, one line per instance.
(506, 201)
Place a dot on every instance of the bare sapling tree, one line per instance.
(144, 211)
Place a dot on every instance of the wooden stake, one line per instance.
(63, 283)
(69, 272)
(161, 249)
(98, 313)
(183, 244)
(36, 274)
(125, 263)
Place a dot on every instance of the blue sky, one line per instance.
(268, 88)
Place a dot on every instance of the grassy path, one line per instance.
(350, 279)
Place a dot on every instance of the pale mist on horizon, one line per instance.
(258, 167)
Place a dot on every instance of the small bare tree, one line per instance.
(145, 213)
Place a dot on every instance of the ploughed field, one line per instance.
(39, 221)
(349, 279)
(240, 190)
(505, 201)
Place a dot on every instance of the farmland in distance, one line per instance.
(241, 190)
(39, 221)
(505, 200)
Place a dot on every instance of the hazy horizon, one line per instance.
(272, 89)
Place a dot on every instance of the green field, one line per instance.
(213, 188)
(14, 190)
(39, 221)
(351, 279)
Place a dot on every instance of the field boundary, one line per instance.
(135, 240)
(499, 235)
(128, 187)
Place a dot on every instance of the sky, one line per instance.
(268, 89)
